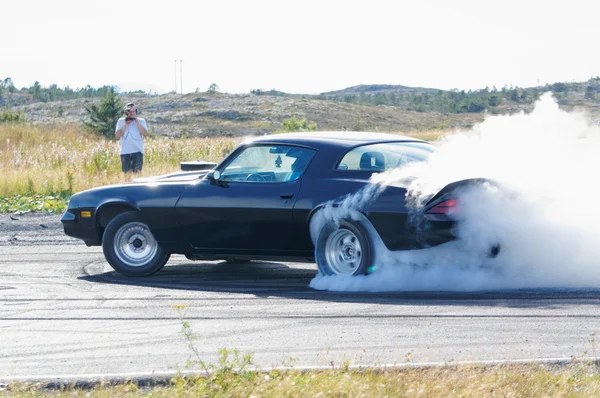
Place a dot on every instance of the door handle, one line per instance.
(286, 195)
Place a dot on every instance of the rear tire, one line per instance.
(345, 249)
(130, 248)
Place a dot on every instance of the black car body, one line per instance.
(259, 202)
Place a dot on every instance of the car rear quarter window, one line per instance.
(384, 156)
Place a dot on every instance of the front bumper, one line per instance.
(81, 228)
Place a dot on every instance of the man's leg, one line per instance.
(126, 162)
(138, 162)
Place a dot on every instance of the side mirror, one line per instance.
(213, 175)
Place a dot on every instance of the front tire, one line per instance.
(345, 249)
(130, 248)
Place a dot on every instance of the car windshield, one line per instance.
(266, 163)
(384, 156)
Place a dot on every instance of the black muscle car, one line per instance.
(261, 202)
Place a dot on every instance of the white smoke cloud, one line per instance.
(544, 215)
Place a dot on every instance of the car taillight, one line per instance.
(445, 207)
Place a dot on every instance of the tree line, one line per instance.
(102, 117)
(454, 101)
(40, 93)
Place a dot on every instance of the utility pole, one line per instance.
(175, 76)
(181, 74)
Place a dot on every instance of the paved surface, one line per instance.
(64, 313)
(33, 229)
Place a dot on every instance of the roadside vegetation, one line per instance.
(514, 380)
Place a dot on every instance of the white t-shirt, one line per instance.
(132, 140)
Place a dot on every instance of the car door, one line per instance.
(249, 208)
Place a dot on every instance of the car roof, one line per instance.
(340, 139)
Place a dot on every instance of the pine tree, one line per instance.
(103, 118)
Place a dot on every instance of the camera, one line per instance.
(128, 119)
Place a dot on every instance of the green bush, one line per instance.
(10, 116)
(103, 118)
(296, 124)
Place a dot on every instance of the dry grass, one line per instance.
(43, 160)
(574, 380)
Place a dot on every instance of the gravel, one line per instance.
(33, 229)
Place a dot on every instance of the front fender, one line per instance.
(108, 209)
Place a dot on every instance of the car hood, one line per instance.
(159, 191)
(173, 177)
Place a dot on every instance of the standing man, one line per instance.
(131, 130)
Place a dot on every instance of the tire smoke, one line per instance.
(541, 209)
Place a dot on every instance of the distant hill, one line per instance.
(585, 95)
(390, 108)
(379, 88)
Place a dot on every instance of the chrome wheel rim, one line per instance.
(343, 252)
(134, 244)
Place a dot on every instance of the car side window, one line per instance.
(268, 163)
(384, 156)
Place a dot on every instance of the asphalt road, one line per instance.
(64, 313)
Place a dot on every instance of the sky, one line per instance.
(308, 46)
